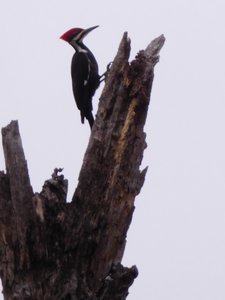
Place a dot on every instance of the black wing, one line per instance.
(79, 73)
(85, 79)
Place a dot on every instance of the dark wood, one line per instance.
(51, 249)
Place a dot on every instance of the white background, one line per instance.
(177, 237)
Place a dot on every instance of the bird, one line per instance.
(84, 72)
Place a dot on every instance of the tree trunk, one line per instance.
(51, 249)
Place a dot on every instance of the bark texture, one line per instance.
(51, 249)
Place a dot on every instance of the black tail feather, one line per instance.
(90, 119)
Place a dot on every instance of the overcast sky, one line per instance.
(177, 237)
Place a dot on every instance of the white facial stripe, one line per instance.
(77, 37)
(77, 46)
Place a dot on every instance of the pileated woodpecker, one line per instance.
(84, 71)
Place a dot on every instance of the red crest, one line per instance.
(68, 36)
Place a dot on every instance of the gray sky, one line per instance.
(177, 237)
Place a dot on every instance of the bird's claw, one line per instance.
(104, 76)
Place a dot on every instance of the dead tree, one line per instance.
(53, 249)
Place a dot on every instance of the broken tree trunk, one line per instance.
(50, 249)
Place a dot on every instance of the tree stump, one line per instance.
(53, 249)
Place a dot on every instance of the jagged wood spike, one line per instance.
(50, 249)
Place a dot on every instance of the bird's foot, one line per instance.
(104, 76)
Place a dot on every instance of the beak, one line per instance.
(86, 31)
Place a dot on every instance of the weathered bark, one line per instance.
(50, 249)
